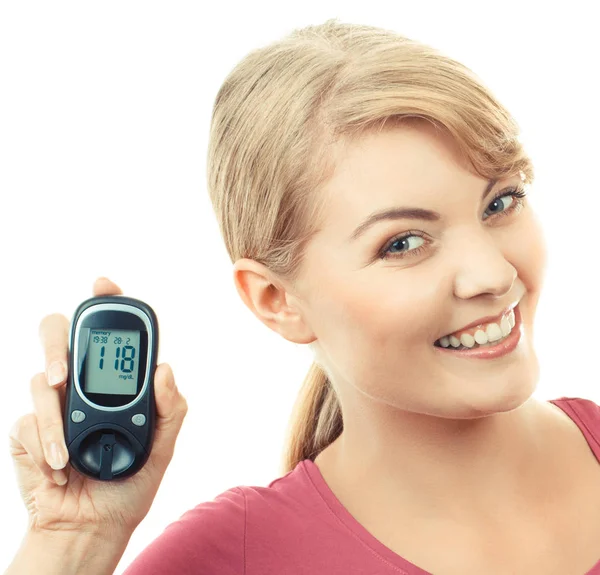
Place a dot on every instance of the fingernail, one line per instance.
(60, 477)
(56, 372)
(56, 458)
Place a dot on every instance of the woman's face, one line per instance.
(376, 302)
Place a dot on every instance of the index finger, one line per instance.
(103, 286)
(54, 335)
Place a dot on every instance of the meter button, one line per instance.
(77, 416)
(138, 419)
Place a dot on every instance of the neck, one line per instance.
(457, 466)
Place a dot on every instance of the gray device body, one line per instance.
(110, 411)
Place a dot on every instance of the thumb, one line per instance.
(171, 409)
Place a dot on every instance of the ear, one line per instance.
(270, 301)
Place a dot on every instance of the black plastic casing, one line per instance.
(105, 443)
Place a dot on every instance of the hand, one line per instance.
(66, 500)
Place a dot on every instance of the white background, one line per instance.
(104, 117)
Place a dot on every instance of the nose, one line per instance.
(483, 269)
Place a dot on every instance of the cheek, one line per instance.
(369, 338)
(381, 314)
(529, 254)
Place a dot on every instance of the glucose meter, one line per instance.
(110, 411)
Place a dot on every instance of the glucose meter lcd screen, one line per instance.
(112, 362)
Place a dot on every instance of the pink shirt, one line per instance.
(294, 526)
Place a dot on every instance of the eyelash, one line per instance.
(517, 192)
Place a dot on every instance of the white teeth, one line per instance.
(493, 332)
(505, 326)
(481, 337)
(511, 318)
(467, 340)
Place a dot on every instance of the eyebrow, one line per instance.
(406, 213)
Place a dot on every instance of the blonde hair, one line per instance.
(275, 120)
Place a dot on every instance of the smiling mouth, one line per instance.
(476, 338)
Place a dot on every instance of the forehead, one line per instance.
(412, 165)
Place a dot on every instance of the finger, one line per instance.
(54, 335)
(28, 456)
(171, 409)
(103, 286)
(49, 416)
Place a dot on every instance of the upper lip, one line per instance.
(487, 318)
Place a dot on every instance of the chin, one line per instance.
(498, 399)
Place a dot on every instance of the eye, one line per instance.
(516, 194)
(502, 208)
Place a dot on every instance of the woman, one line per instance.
(371, 193)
